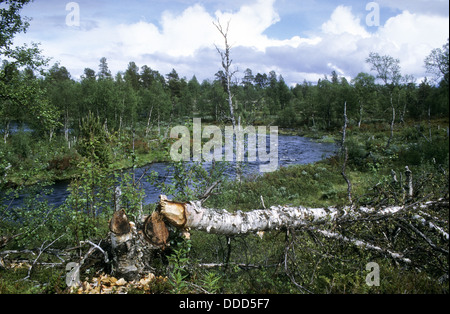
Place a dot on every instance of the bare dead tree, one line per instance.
(391, 136)
(345, 156)
(409, 181)
(229, 74)
(226, 64)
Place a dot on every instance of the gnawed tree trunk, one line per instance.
(135, 246)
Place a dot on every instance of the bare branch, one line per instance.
(42, 249)
(423, 236)
(363, 244)
(92, 249)
(432, 225)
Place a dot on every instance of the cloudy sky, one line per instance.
(299, 39)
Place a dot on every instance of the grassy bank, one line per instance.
(33, 160)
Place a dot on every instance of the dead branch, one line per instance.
(209, 191)
(423, 236)
(92, 249)
(42, 249)
(432, 225)
(363, 244)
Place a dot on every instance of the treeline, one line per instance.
(139, 97)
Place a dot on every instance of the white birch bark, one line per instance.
(133, 245)
(194, 215)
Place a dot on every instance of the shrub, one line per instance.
(425, 151)
(94, 141)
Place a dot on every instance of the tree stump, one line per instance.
(134, 246)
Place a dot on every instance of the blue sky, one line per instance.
(301, 40)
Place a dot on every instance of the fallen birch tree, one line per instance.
(134, 244)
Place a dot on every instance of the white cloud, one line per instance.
(409, 37)
(193, 29)
(343, 21)
(179, 38)
(341, 44)
(248, 24)
(185, 41)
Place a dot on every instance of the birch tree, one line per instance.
(226, 64)
(388, 70)
(437, 63)
(133, 244)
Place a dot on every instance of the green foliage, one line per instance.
(178, 262)
(52, 282)
(287, 118)
(132, 194)
(314, 262)
(90, 203)
(189, 181)
(307, 185)
(426, 151)
(211, 282)
(94, 141)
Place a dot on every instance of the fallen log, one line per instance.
(193, 215)
(135, 245)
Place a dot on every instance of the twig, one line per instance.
(423, 236)
(6, 253)
(208, 191)
(288, 272)
(92, 249)
(240, 265)
(41, 250)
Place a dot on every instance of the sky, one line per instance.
(298, 39)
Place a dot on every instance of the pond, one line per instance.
(292, 150)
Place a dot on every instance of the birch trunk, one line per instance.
(345, 156)
(226, 64)
(193, 215)
(147, 129)
(392, 123)
(5, 137)
(134, 246)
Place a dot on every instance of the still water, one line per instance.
(292, 150)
